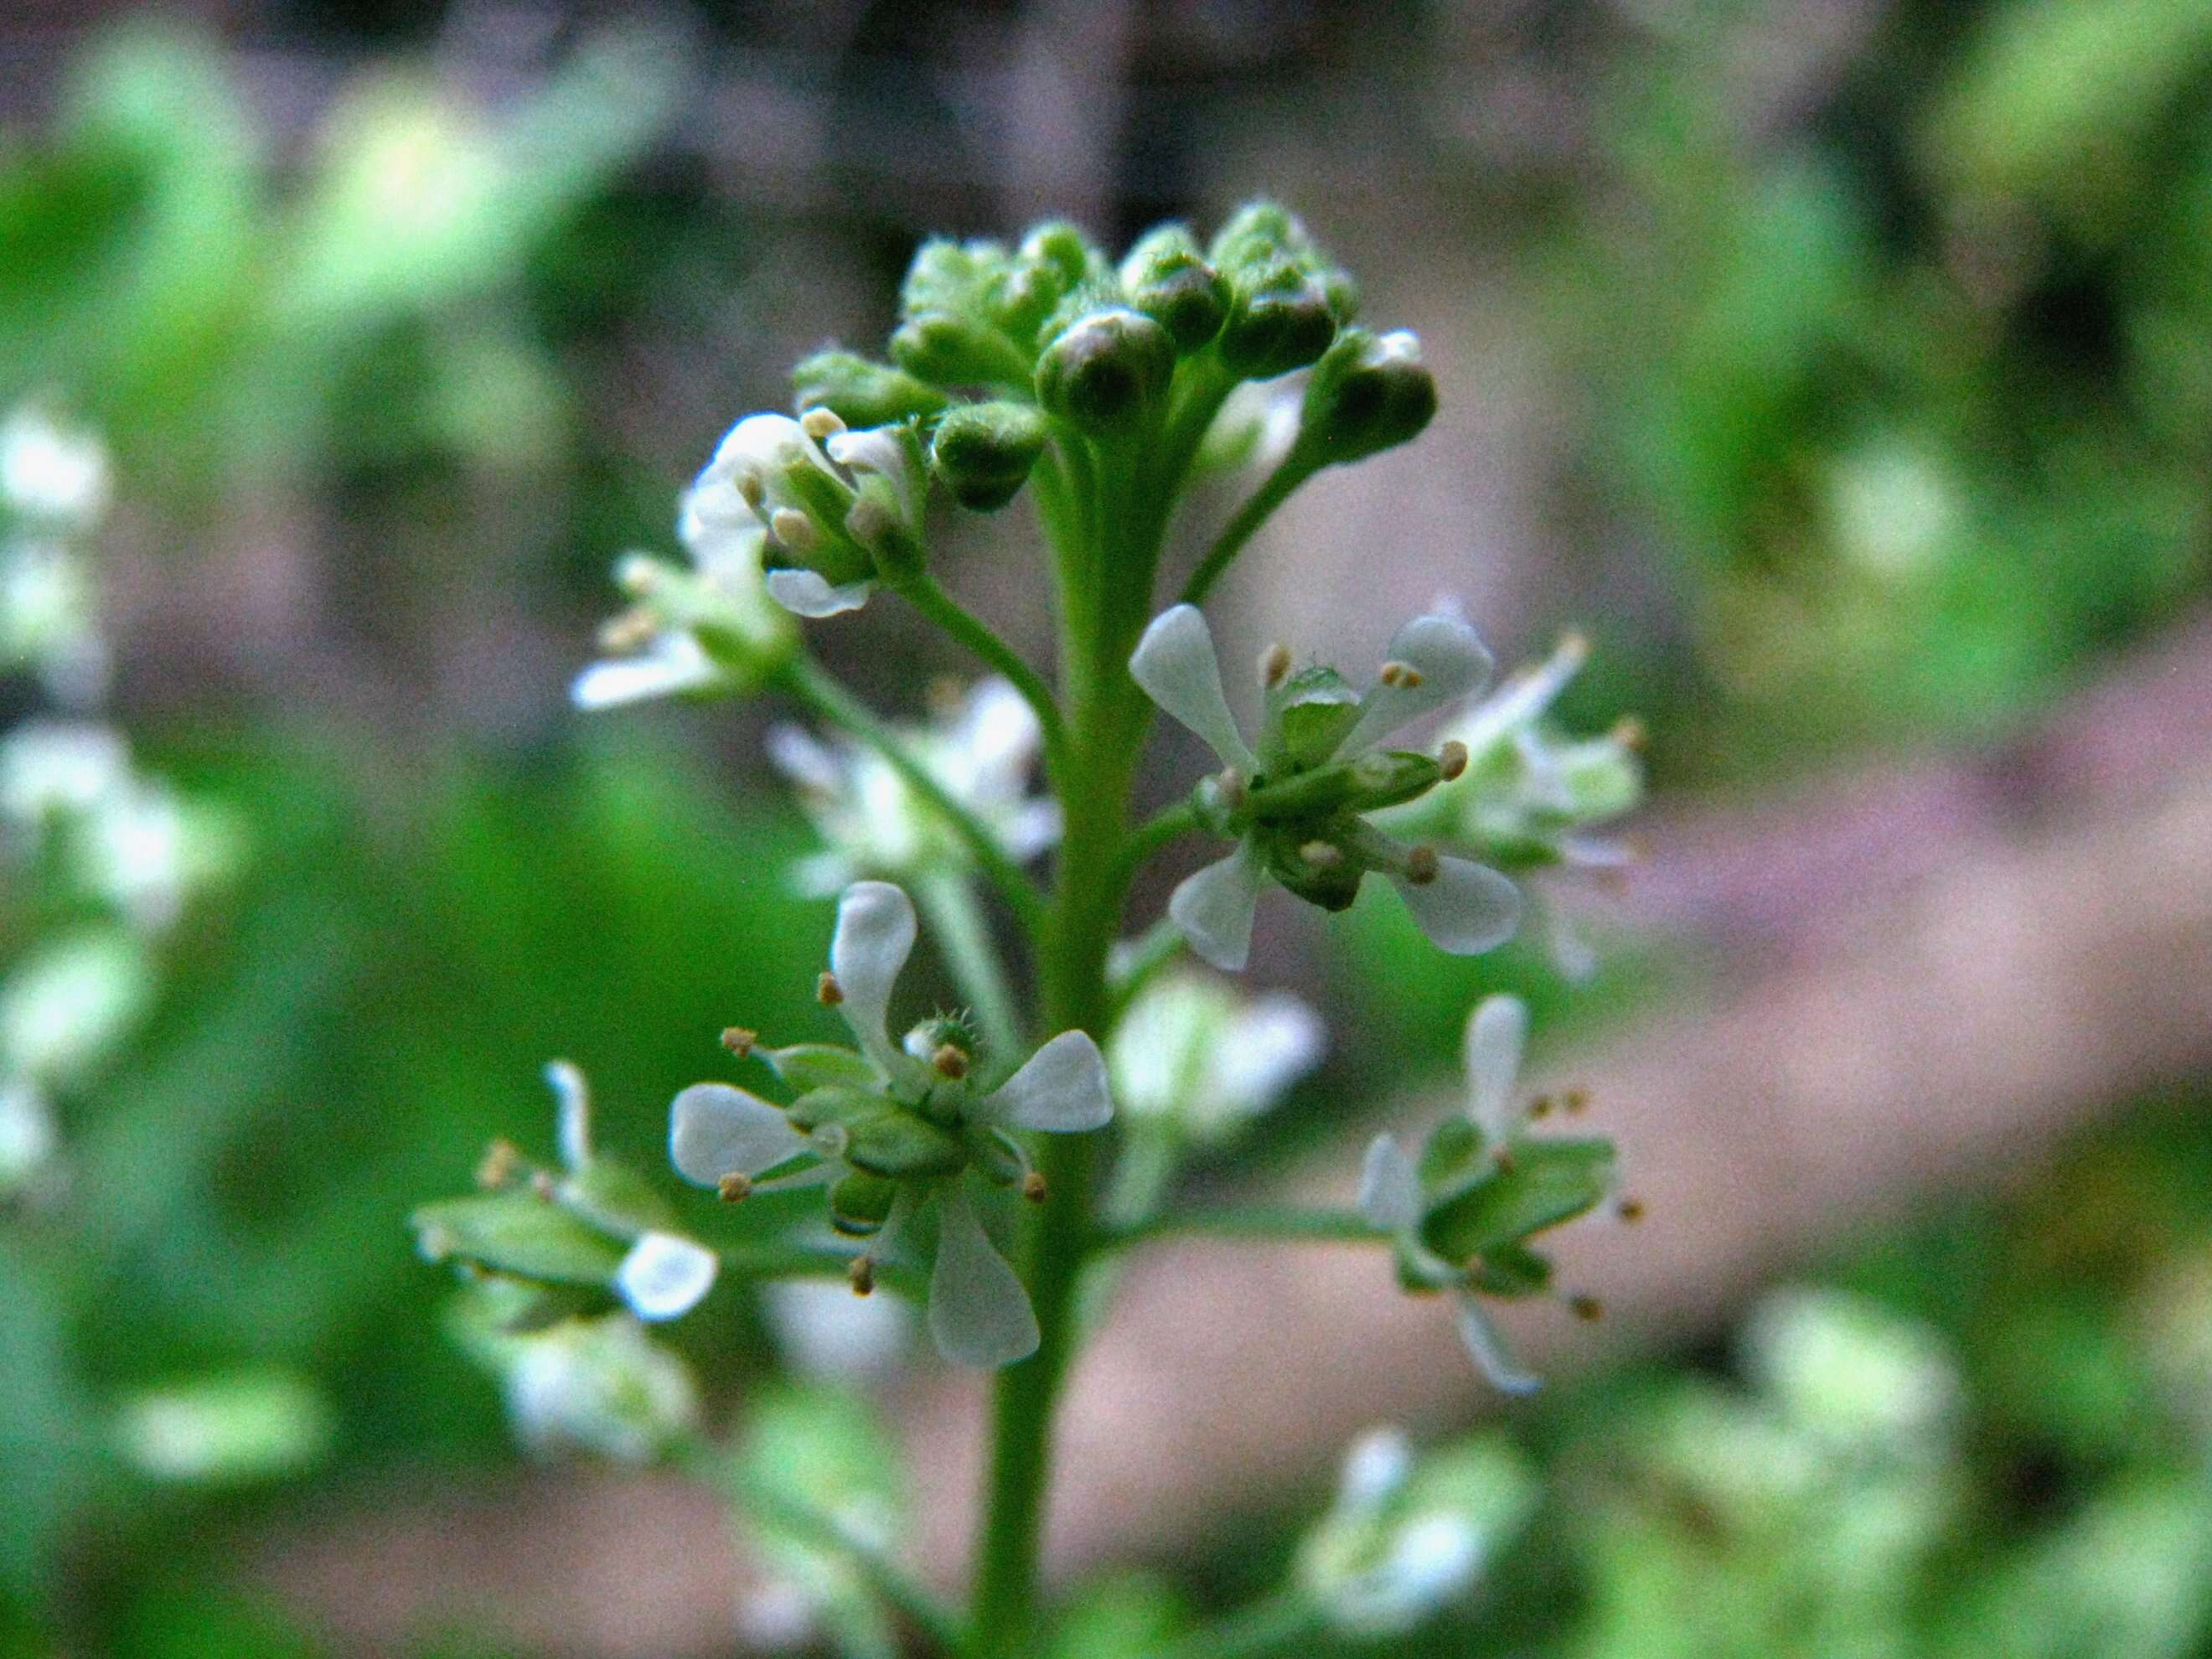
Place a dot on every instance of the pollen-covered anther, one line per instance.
(1451, 760)
(1577, 1101)
(1422, 865)
(1034, 1187)
(740, 1040)
(1401, 676)
(1540, 1107)
(734, 1188)
(821, 424)
(630, 631)
(950, 1061)
(1234, 789)
(1629, 733)
(751, 491)
(1586, 1307)
(1274, 664)
(794, 529)
(1322, 854)
(828, 992)
(861, 1274)
(501, 1158)
(1630, 1210)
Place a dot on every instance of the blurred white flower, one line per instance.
(598, 1385)
(826, 1333)
(225, 1429)
(51, 473)
(1195, 1055)
(28, 1139)
(67, 1005)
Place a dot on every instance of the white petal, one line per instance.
(1524, 697)
(1030, 830)
(1496, 1031)
(1389, 1187)
(1176, 665)
(1467, 910)
(662, 1277)
(1488, 1349)
(808, 594)
(1449, 662)
(996, 738)
(674, 663)
(874, 938)
(1376, 1469)
(573, 1107)
(978, 1311)
(1060, 1087)
(1214, 907)
(1268, 1046)
(799, 755)
(715, 1129)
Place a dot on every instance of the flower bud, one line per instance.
(1169, 280)
(949, 349)
(1279, 319)
(1064, 248)
(1053, 262)
(984, 452)
(862, 392)
(1107, 371)
(1368, 394)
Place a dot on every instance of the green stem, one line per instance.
(1154, 833)
(1259, 1223)
(1294, 470)
(1158, 945)
(926, 595)
(805, 681)
(1283, 1620)
(965, 941)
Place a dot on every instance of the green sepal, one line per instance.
(1391, 777)
(614, 1198)
(859, 1203)
(808, 1065)
(951, 276)
(899, 1143)
(1308, 716)
(1548, 1182)
(1453, 1156)
(844, 1103)
(862, 393)
(1167, 278)
(948, 349)
(998, 1157)
(517, 1232)
(1511, 1270)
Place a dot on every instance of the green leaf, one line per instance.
(520, 1233)
(1547, 1182)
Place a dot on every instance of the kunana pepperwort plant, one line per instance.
(977, 1162)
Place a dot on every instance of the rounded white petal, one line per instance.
(674, 663)
(1389, 1187)
(664, 1276)
(874, 937)
(809, 593)
(1267, 1046)
(1376, 1467)
(799, 755)
(995, 739)
(979, 1313)
(1176, 665)
(1487, 1348)
(1449, 662)
(715, 1129)
(1467, 910)
(572, 1112)
(1061, 1087)
(1214, 907)
(1496, 1031)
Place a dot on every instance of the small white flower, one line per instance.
(49, 767)
(598, 1385)
(66, 1007)
(1298, 801)
(27, 1137)
(827, 1333)
(911, 1122)
(51, 473)
(1196, 1056)
(225, 1429)
(983, 753)
(47, 620)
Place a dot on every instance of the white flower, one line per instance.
(1196, 1056)
(65, 1008)
(827, 1333)
(598, 1385)
(1298, 801)
(1472, 1159)
(707, 627)
(983, 753)
(28, 1139)
(50, 473)
(900, 1128)
(47, 621)
(224, 1429)
(50, 767)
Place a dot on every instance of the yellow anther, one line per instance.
(828, 992)
(862, 1275)
(1422, 865)
(733, 1188)
(740, 1040)
(1451, 759)
(1274, 664)
(821, 424)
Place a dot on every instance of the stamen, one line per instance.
(950, 1061)
(1586, 1307)
(1630, 1210)
(501, 1158)
(1540, 1107)
(821, 424)
(1274, 664)
(751, 490)
(794, 529)
(1628, 731)
(734, 1188)
(828, 992)
(629, 632)
(1421, 864)
(1033, 1187)
(1322, 854)
(1577, 1101)
(1401, 676)
(1451, 759)
(637, 575)
(740, 1040)
(862, 1275)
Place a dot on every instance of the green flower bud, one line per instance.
(984, 452)
(948, 349)
(1106, 372)
(1279, 319)
(1064, 248)
(860, 392)
(1169, 280)
(859, 1203)
(1368, 394)
(903, 1144)
(1258, 233)
(949, 276)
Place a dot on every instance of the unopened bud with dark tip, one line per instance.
(734, 1188)
(1279, 320)
(1586, 1307)
(1451, 760)
(501, 1158)
(862, 393)
(1421, 865)
(861, 1274)
(984, 452)
(950, 1061)
(1106, 372)
(1274, 664)
(828, 992)
(1368, 392)
(1168, 279)
(1034, 1187)
(738, 1041)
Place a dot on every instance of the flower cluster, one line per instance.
(907, 1138)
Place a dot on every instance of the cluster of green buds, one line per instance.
(1462, 1215)
(1298, 801)
(910, 1138)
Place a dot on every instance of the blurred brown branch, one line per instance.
(1921, 978)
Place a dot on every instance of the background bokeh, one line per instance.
(1843, 371)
